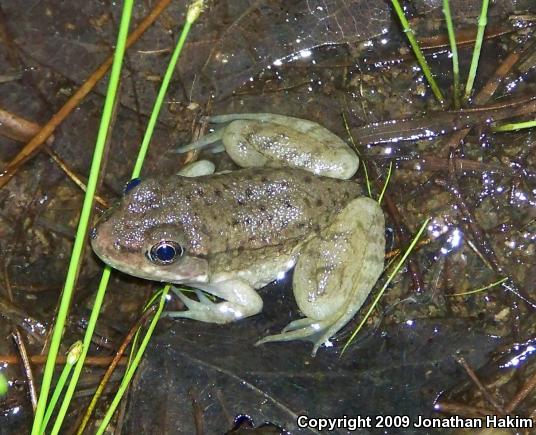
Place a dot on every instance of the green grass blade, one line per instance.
(386, 183)
(361, 161)
(136, 361)
(4, 385)
(194, 10)
(134, 344)
(81, 233)
(97, 304)
(418, 52)
(454, 51)
(197, 7)
(386, 284)
(515, 126)
(481, 289)
(482, 21)
(72, 357)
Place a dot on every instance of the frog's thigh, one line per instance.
(299, 124)
(255, 144)
(240, 300)
(336, 271)
(237, 141)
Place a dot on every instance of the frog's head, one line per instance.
(139, 236)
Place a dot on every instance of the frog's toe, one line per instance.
(301, 329)
(204, 142)
(192, 304)
(203, 298)
(239, 301)
(217, 148)
(203, 310)
(298, 324)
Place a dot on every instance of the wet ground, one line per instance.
(314, 60)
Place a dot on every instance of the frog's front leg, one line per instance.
(240, 300)
(336, 272)
(197, 169)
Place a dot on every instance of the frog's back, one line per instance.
(253, 208)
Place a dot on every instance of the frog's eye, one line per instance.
(165, 252)
(131, 185)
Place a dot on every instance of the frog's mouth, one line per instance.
(186, 270)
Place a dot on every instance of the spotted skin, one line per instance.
(236, 232)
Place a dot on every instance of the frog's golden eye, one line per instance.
(165, 252)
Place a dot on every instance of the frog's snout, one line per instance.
(101, 242)
(104, 217)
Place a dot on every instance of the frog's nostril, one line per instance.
(93, 233)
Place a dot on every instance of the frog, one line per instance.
(291, 205)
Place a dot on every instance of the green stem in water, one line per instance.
(83, 225)
(515, 126)
(193, 13)
(386, 284)
(194, 10)
(72, 357)
(454, 51)
(92, 322)
(362, 162)
(481, 289)
(386, 183)
(418, 52)
(482, 21)
(135, 363)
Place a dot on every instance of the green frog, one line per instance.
(231, 233)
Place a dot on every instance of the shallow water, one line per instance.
(479, 194)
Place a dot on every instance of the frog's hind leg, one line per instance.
(299, 324)
(301, 329)
(305, 126)
(266, 139)
(263, 117)
(315, 331)
(211, 140)
(240, 300)
(336, 272)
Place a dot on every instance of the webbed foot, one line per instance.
(239, 301)
(208, 141)
(203, 310)
(302, 329)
